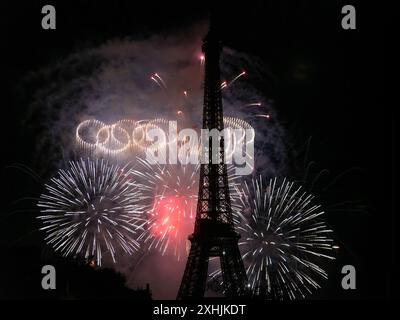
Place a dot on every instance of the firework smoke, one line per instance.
(116, 80)
(112, 82)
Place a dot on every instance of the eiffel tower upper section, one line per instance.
(214, 211)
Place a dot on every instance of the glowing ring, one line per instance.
(112, 145)
(83, 143)
(129, 126)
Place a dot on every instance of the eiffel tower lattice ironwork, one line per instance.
(214, 233)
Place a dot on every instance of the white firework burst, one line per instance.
(284, 239)
(91, 208)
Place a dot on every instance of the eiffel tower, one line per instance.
(214, 233)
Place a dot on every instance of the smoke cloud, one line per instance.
(112, 81)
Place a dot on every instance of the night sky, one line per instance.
(327, 84)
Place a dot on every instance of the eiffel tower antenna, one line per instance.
(214, 233)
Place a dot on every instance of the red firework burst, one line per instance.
(172, 215)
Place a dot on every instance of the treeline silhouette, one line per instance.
(76, 279)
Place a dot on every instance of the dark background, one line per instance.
(328, 84)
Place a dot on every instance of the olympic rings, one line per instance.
(127, 136)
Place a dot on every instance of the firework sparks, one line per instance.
(237, 77)
(226, 84)
(233, 143)
(283, 239)
(161, 80)
(171, 191)
(267, 116)
(156, 81)
(254, 104)
(202, 59)
(90, 209)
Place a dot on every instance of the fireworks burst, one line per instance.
(171, 193)
(92, 208)
(283, 239)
